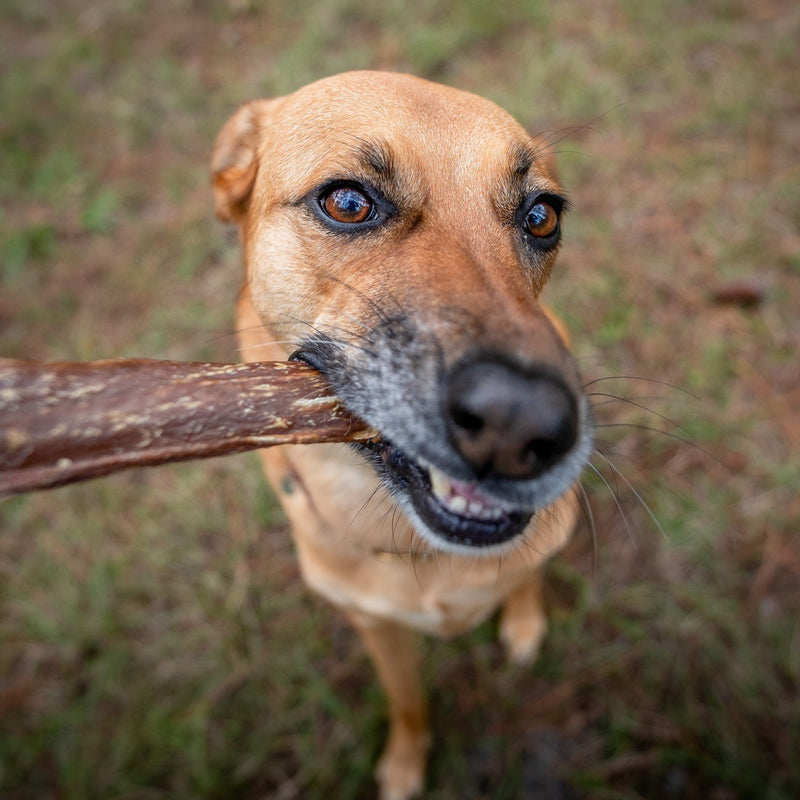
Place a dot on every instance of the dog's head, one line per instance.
(397, 235)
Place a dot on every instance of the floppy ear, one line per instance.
(234, 163)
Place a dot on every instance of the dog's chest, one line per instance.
(358, 551)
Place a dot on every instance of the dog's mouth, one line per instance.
(496, 490)
(459, 512)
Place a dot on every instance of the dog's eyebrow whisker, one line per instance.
(547, 145)
(572, 130)
(561, 151)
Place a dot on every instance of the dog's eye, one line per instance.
(541, 220)
(348, 205)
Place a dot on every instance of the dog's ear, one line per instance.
(234, 163)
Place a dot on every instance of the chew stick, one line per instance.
(67, 421)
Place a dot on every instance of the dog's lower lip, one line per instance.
(456, 511)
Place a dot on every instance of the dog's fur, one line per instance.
(391, 240)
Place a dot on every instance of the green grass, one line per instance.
(155, 638)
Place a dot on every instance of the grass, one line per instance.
(155, 638)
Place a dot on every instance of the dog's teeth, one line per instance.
(449, 494)
(457, 504)
(440, 483)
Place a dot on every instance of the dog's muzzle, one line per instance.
(509, 429)
(473, 458)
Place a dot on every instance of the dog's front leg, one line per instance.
(395, 652)
(523, 622)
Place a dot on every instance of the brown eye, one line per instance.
(348, 205)
(541, 220)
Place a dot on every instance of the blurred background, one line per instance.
(155, 639)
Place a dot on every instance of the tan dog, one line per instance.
(397, 234)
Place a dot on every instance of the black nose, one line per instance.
(509, 422)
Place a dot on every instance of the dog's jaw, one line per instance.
(448, 513)
(451, 508)
(468, 517)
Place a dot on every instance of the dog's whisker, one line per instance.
(551, 518)
(319, 330)
(611, 399)
(632, 402)
(689, 442)
(615, 495)
(377, 307)
(644, 504)
(352, 336)
(545, 520)
(324, 337)
(371, 330)
(224, 336)
(394, 523)
(641, 379)
(588, 514)
(572, 130)
(264, 345)
(362, 508)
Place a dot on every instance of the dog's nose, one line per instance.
(507, 421)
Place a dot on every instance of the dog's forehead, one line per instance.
(412, 114)
(432, 137)
(366, 94)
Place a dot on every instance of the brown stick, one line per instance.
(70, 421)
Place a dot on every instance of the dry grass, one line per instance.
(155, 640)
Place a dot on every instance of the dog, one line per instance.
(397, 235)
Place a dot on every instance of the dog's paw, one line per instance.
(522, 635)
(401, 770)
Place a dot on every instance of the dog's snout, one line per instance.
(508, 422)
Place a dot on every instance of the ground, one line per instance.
(155, 640)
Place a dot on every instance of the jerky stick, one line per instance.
(70, 421)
